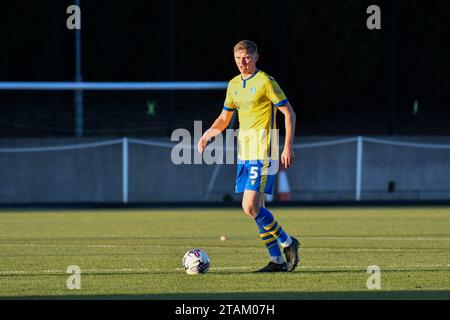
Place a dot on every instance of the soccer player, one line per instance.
(257, 97)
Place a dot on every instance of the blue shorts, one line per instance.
(249, 177)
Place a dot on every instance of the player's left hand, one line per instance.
(287, 157)
(201, 144)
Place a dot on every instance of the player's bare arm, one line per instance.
(287, 156)
(220, 124)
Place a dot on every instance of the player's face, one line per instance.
(246, 62)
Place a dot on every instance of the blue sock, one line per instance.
(271, 244)
(266, 219)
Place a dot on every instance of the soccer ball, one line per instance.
(196, 261)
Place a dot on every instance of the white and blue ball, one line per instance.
(196, 261)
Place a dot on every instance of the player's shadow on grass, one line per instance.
(339, 295)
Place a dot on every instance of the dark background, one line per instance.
(340, 77)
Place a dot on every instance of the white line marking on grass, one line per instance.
(102, 245)
(150, 270)
(96, 245)
(231, 268)
(373, 249)
(108, 271)
(220, 247)
(364, 268)
(374, 238)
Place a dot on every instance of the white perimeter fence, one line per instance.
(440, 170)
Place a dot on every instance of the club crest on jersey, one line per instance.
(253, 90)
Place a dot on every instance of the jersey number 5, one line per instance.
(253, 172)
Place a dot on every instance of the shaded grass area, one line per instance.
(336, 295)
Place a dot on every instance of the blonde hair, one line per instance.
(246, 45)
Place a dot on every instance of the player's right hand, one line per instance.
(201, 145)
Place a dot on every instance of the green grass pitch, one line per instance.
(136, 254)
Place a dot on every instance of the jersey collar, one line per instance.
(244, 81)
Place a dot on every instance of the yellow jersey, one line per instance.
(256, 100)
